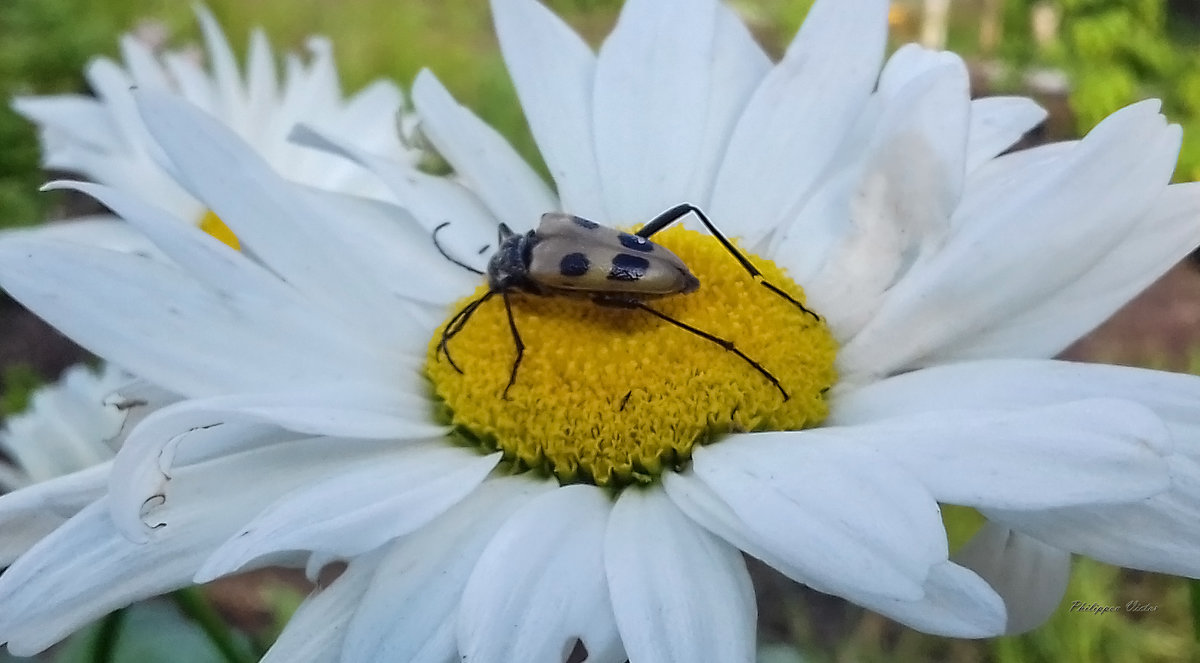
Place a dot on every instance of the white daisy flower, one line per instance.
(102, 137)
(70, 431)
(601, 494)
(66, 428)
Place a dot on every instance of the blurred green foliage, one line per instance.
(17, 384)
(1119, 51)
(43, 47)
(150, 632)
(1123, 50)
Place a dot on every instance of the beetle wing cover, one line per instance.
(574, 254)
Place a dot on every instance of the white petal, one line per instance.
(1024, 383)
(1114, 175)
(294, 237)
(997, 123)
(143, 66)
(408, 613)
(909, 62)
(128, 164)
(399, 253)
(432, 200)
(218, 425)
(481, 156)
(193, 82)
(80, 119)
(1158, 534)
(67, 426)
(393, 252)
(907, 87)
(1098, 451)
(991, 185)
(103, 231)
(955, 601)
(86, 568)
(1164, 235)
(552, 69)
(653, 80)
(900, 210)
(879, 529)
(738, 67)
(95, 296)
(1029, 575)
(33, 512)
(223, 64)
(372, 110)
(196, 251)
(540, 584)
(799, 115)
(360, 508)
(680, 594)
(111, 84)
(317, 630)
(370, 120)
(319, 85)
(262, 84)
(957, 604)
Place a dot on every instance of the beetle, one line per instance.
(570, 256)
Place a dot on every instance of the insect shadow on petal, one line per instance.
(569, 256)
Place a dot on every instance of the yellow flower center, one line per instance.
(614, 396)
(213, 225)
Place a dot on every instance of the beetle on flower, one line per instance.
(572, 256)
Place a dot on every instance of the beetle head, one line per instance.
(509, 265)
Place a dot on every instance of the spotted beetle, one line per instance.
(574, 257)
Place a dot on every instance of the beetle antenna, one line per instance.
(448, 257)
(458, 322)
(679, 211)
(728, 345)
(512, 324)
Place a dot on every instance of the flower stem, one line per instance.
(106, 637)
(191, 602)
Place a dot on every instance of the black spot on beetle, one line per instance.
(628, 268)
(573, 264)
(635, 243)
(584, 223)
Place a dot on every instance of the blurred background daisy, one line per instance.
(1081, 60)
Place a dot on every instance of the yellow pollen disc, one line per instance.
(615, 396)
(213, 225)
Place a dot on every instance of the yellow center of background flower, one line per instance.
(213, 225)
(617, 396)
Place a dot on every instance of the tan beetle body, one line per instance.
(570, 255)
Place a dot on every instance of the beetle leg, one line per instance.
(667, 218)
(447, 255)
(458, 322)
(512, 324)
(624, 302)
(679, 211)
